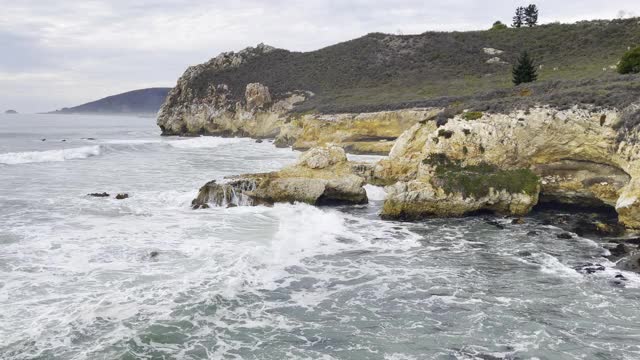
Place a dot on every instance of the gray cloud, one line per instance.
(66, 52)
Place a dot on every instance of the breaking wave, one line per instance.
(202, 142)
(83, 152)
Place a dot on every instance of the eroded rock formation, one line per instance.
(322, 176)
(580, 156)
(200, 107)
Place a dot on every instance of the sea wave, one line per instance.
(375, 193)
(83, 152)
(131, 141)
(202, 142)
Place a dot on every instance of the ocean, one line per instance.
(147, 277)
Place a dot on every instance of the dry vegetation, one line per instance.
(381, 71)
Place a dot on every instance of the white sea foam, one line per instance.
(131, 141)
(376, 193)
(49, 155)
(202, 142)
(551, 265)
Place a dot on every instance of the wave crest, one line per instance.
(202, 142)
(83, 152)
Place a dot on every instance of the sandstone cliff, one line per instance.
(190, 110)
(505, 162)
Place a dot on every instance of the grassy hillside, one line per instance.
(389, 71)
(144, 101)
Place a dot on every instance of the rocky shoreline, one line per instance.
(437, 164)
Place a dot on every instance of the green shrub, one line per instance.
(472, 115)
(447, 134)
(630, 62)
(498, 25)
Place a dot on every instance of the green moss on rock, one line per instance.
(472, 115)
(477, 180)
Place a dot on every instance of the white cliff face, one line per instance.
(577, 153)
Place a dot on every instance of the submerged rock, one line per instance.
(322, 176)
(565, 236)
(631, 263)
(619, 251)
(496, 224)
(589, 268)
(103, 194)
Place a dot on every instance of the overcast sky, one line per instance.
(57, 53)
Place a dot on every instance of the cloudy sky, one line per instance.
(57, 53)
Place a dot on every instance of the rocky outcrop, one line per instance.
(197, 106)
(10, 112)
(365, 133)
(493, 162)
(322, 176)
(453, 189)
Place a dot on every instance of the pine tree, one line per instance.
(518, 19)
(524, 70)
(531, 15)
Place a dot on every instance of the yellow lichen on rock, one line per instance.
(372, 133)
(576, 152)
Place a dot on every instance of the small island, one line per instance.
(10, 112)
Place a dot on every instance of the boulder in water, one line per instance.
(322, 176)
(619, 251)
(100, 195)
(495, 223)
(589, 268)
(565, 236)
(122, 196)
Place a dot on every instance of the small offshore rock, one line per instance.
(104, 194)
(533, 233)
(122, 196)
(153, 254)
(565, 236)
(259, 141)
(631, 263)
(620, 250)
(524, 253)
(43, 139)
(495, 223)
(609, 229)
(621, 277)
(518, 221)
(589, 268)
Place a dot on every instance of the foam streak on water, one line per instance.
(290, 281)
(83, 152)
